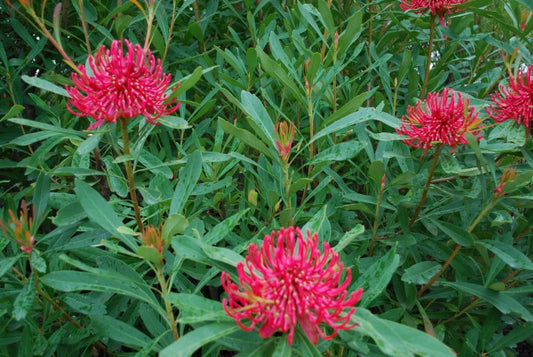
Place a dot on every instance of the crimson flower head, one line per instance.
(442, 118)
(121, 83)
(289, 281)
(436, 7)
(515, 100)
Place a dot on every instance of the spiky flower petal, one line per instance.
(441, 118)
(435, 7)
(289, 281)
(121, 82)
(515, 101)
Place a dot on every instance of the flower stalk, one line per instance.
(129, 173)
(426, 186)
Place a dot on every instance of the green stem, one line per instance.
(428, 60)
(168, 306)
(84, 27)
(376, 221)
(458, 247)
(426, 187)
(129, 173)
(287, 187)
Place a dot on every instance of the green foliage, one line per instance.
(212, 178)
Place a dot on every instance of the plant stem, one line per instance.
(458, 247)
(287, 187)
(168, 306)
(428, 60)
(426, 187)
(376, 221)
(84, 27)
(129, 173)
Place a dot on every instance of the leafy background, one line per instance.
(211, 174)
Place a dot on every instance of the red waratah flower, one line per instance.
(515, 100)
(436, 7)
(442, 118)
(121, 85)
(288, 281)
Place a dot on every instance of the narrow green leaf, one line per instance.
(506, 252)
(395, 339)
(119, 331)
(99, 211)
(275, 70)
(221, 230)
(41, 195)
(500, 300)
(376, 171)
(246, 137)
(360, 116)
(14, 111)
(188, 177)
(108, 282)
(174, 224)
(420, 273)
(224, 255)
(339, 152)
(283, 349)
(457, 234)
(348, 237)
(194, 308)
(261, 121)
(45, 85)
(24, 300)
(190, 342)
(376, 277)
(6, 264)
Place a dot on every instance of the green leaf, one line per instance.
(149, 253)
(37, 262)
(518, 334)
(377, 276)
(14, 111)
(99, 211)
(103, 281)
(246, 137)
(45, 85)
(338, 152)
(41, 195)
(188, 176)
(221, 230)
(500, 300)
(395, 339)
(276, 71)
(421, 273)
(361, 116)
(319, 224)
(224, 255)
(376, 171)
(6, 264)
(89, 144)
(174, 224)
(187, 82)
(457, 234)
(190, 342)
(261, 121)
(283, 349)
(194, 308)
(174, 122)
(24, 300)
(510, 255)
(348, 237)
(119, 331)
